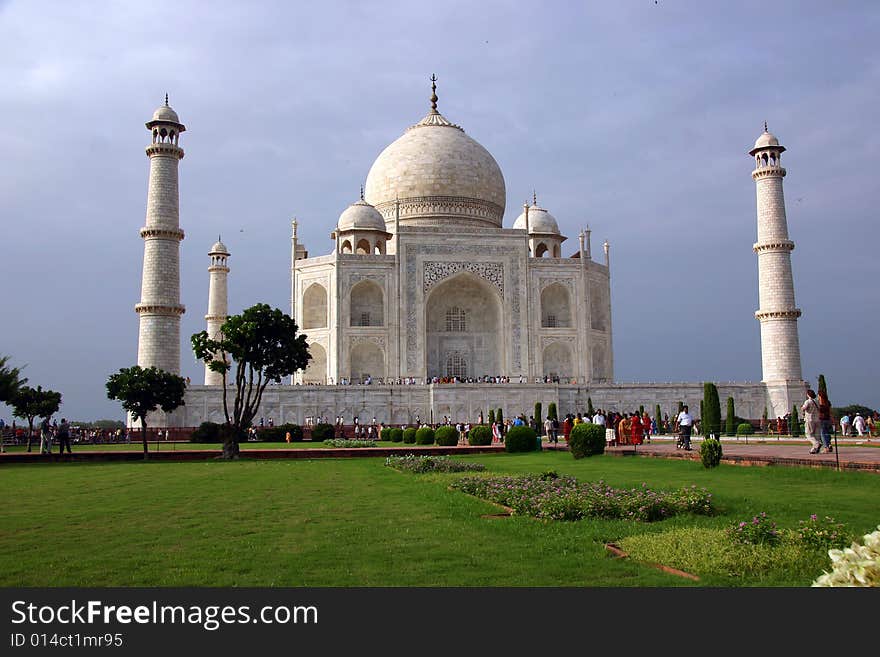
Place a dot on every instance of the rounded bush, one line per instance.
(296, 433)
(323, 431)
(745, 429)
(409, 435)
(425, 436)
(396, 435)
(586, 439)
(446, 436)
(208, 432)
(385, 434)
(710, 452)
(520, 439)
(480, 435)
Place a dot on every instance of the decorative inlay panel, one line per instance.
(492, 272)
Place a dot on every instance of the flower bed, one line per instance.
(556, 497)
(423, 464)
(337, 442)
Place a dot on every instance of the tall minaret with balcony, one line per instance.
(218, 302)
(160, 309)
(777, 312)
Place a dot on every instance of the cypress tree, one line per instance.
(658, 419)
(764, 420)
(680, 408)
(702, 417)
(795, 422)
(730, 429)
(539, 408)
(712, 409)
(641, 409)
(491, 416)
(590, 410)
(499, 418)
(551, 411)
(822, 387)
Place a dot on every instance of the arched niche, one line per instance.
(463, 317)
(555, 307)
(315, 307)
(367, 359)
(558, 361)
(367, 304)
(316, 372)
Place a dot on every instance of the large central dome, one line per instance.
(441, 176)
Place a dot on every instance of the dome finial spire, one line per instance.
(534, 198)
(166, 100)
(362, 192)
(765, 126)
(433, 93)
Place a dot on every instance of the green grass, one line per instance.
(354, 522)
(135, 446)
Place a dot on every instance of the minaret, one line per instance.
(160, 309)
(777, 313)
(218, 303)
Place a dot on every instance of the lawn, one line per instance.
(354, 522)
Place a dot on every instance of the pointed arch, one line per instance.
(315, 307)
(555, 307)
(367, 304)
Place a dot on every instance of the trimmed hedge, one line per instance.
(208, 432)
(745, 429)
(446, 436)
(396, 435)
(279, 434)
(586, 439)
(710, 452)
(520, 439)
(480, 435)
(385, 434)
(323, 431)
(409, 435)
(425, 436)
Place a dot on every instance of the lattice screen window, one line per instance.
(456, 320)
(365, 319)
(550, 321)
(456, 365)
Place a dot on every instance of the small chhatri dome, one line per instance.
(766, 140)
(360, 216)
(164, 114)
(219, 248)
(540, 221)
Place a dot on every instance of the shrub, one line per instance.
(745, 429)
(586, 439)
(423, 463)
(795, 424)
(446, 436)
(208, 432)
(385, 434)
(396, 435)
(710, 452)
(279, 434)
(323, 431)
(858, 565)
(409, 435)
(339, 442)
(759, 531)
(480, 435)
(825, 534)
(425, 436)
(520, 439)
(711, 412)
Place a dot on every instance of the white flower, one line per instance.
(857, 565)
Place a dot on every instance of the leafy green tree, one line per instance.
(10, 380)
(712, 410)
(265, 345)
(29, 403)
(730, 424)
(144, 390)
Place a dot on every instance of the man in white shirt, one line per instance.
(598, 418)
(859, 424)
(685, 424)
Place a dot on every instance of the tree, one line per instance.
(499, 418)
(144, 390)
(712, 410)
(822, 387)
(539, 409)
(551, 411)
(29, 403)
(10, 380)
(795, 425)
(590, 410)
(730, 424)
(658, 419)
(265, 346)
(491, 416)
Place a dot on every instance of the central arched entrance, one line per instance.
(463, 329)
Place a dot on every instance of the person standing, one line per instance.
(45, 436)
(637, 430)
(845, 427)
(64, 436)
(685, 424)
(826, 421)
(859, 424)
(566, 428)
(548, 429)
(812, 426)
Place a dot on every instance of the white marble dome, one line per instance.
(219, 248)
(166, 115)
(540, 221)
(441, 177)
(360, 216)
(766, 139)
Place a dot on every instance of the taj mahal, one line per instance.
(426, 306)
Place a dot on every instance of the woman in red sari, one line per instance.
(637, 429)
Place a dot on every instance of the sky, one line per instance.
(633, 118)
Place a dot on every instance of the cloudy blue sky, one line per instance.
(633, 117)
